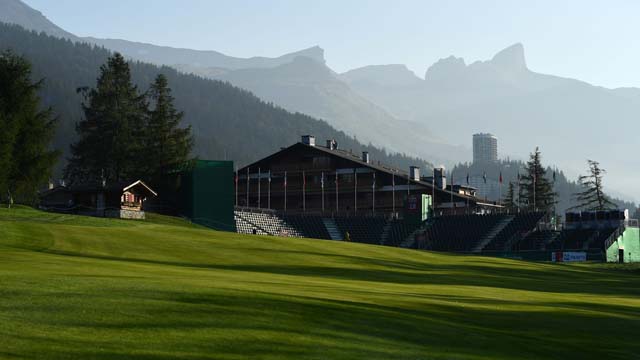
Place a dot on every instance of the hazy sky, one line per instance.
(595, 41)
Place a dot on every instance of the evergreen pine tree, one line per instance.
(26, 131)
(593, 196)
(167, 145)
(509, 201)
(536, 191)
(110, 144)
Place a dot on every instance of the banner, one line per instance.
(568, 256)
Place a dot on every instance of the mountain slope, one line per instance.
(19, 13)
(569, 119)
(228, 122)
(164, 55)
(307, 86)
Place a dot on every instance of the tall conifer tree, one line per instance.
(509, 201)
(110, 145)
(536, 191)
(593, 196)
(26, 131)
(167, 145)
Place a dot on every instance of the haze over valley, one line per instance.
(431, 115)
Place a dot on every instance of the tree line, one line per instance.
(124, 135)
(25, 132)
(228, 123)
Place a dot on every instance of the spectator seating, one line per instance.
(399, 230)
(263, 223)
(520, 226)
(536, 240)
(362, 229)
(457, 232)
(308, 226)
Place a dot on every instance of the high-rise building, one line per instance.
(485, 148)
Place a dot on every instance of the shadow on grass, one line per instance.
(238, 324)
(547, 278)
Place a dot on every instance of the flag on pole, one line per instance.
(322, 180)
(373, 185)
(554, 176)
(500, 177)
(467, 178)
(484, 177)
(285, 180)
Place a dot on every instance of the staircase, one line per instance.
(492, 234)
(411, 239)
(385, 233)
(332, 229)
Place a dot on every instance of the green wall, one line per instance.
(630, 241)
(208, 194)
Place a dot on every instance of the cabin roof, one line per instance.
(137, 186)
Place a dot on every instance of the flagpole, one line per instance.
(248, 187)
(337, 205)
(433, 192)
(500, 189)
(452, 192)
(393, 193)
(467, 194)
(322, 185)
(285, 191)
(304, 192)
(259, 181)
(535, 207)
(373, 194)
(355, 191)
(269, 191)
(236, 183)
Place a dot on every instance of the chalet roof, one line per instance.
(358, 160)
(120, 187)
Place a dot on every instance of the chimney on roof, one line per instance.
(332, 144)
(440, 178)
(414, 173)
(309, 140)
(365, 156)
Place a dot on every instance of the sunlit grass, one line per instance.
(79, 287)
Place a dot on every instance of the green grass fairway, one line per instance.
(87, 288)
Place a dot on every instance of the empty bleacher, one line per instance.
(399, 230)
(520, 226)
(308, 226)
(536, 240)
(263, 223)
(584, 239)
(366, 230)
(457, 232)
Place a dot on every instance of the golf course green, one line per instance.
(75, 287)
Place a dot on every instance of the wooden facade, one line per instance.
(120, 200)
(305, 178)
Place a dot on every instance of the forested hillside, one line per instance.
(228, 122)
(510, 169)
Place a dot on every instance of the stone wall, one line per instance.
(125, 214)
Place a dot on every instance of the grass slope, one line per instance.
(88, 288)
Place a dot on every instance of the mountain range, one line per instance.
(432, 116)
(569, 119)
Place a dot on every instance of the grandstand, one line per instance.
(313, 191)
(489, 234)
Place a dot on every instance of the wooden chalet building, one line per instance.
(117, 200)
(314, 179)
